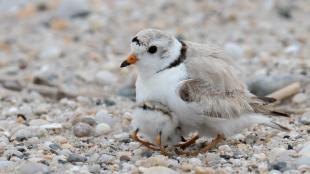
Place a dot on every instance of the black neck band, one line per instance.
(179, 60)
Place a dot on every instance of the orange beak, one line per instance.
(132, 59)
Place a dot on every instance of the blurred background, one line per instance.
(79, 44)
(60, 59)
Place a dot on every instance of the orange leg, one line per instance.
(162, 148)
(147, 144)
(214, 142)
(188, 142)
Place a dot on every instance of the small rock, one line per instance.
(106, 78)
(32, 167)
(29, 132)
(234, 50)
(52, 126)
(103, 117)
(54, 146)
(82, 129)
(102, 129)
(157, 170)
(10, 153)
(42, 109)
(73, 8)
(7, 166)
(305, 119)
(95, 168)
(105, 158)
(51, 52)
(89, 120)
(225, 150)
(204, 170)
(292, 49)
(25, 110)
(299, 98)
(281, 166)
(124, 156)
(262, 85)
(250, 139)
(37, 122)
(127, 91)
(195, 161)
(76, 158)
(303, 160)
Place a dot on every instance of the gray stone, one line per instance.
(299, 98)
(89, 120)
(102, 129)
(106, 78)
(262, 85)
(29, 132)
(73, 8)
(158, 169)
(82, 129)
(95, 168)
(281, 166)
(7, 166)
(105, 158)
(305, 119)
(76, 158)
(32, 167)
(234, 50)
(103, 117)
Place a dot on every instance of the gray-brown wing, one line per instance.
(214, 103)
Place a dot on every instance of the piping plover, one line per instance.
(197, 82)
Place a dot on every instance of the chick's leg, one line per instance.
(147, 144)
(213, 143)
(162, 148)
(188, 142)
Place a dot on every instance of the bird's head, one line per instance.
(152, 50)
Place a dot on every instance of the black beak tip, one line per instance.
(124, 64)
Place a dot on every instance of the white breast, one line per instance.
(160, 87)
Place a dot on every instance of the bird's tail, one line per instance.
(276, 126)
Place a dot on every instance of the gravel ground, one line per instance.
(66, 105)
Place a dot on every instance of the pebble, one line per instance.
(204, 170)
(103, 117)
(42, 109)
(234, 50)
(105, 78)
(73, 8)
(32, 167)
(51, 52)
(157, 170)
(105, 158)
(94, 168)
(7, 166)
(262, 85)
(281, 166)
(89, 120)
(76, 158)
(82, 129)
(225, 150)
(37, 122)
(305, 119)
(299, 98)
(102, 129)
(195, 161)
(29, 132)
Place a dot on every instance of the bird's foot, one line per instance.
(147, 144)
(188, 142)
(205, 149)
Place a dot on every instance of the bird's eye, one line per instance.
(152, 49)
